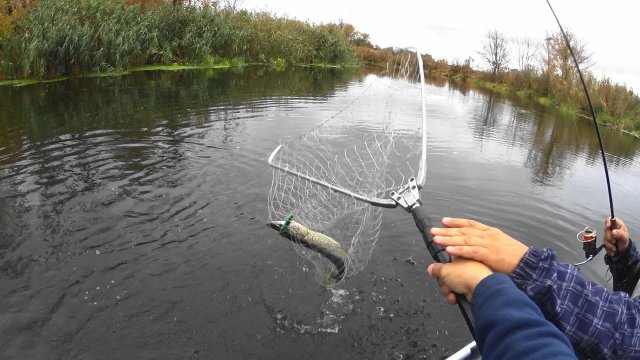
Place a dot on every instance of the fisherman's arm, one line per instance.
(510, 326)
(599, 323)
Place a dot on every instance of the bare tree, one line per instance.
(494, 52)
(526, 52)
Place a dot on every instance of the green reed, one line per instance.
(71, 37)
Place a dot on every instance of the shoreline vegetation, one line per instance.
(53, 40)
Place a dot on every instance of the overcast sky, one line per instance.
(455, 30)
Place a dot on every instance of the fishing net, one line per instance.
(370, 146)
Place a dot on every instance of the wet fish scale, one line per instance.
(321, 243)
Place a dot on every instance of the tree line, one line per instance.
(544, 70)
(536, 70)
(54, 38)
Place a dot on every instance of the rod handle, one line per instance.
(439, 255)
(614, 225)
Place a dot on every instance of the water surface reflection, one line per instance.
(132, 215)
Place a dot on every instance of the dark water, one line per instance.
(132, 214)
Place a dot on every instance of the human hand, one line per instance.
(617, 238)
(473, 240)
(460, 276)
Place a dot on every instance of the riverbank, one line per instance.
(58, 39)
(627, 124)
(25, 82)
(225, 66)
(54, 40)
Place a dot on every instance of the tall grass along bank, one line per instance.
(70, 37)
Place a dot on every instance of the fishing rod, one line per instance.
(588, 234)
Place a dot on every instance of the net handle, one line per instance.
(422, 168)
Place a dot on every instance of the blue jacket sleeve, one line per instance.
(599, 323)
(510, 326)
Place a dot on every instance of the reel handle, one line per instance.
(439, 255)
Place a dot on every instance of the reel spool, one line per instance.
(589, 239)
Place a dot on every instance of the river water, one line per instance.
(133, 211)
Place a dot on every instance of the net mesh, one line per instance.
(370, 147)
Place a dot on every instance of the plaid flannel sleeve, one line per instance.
(599, 323)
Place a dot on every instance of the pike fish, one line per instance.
(318, 242)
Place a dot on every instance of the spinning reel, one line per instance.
(589, 241)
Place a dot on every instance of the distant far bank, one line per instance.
(52, 40)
